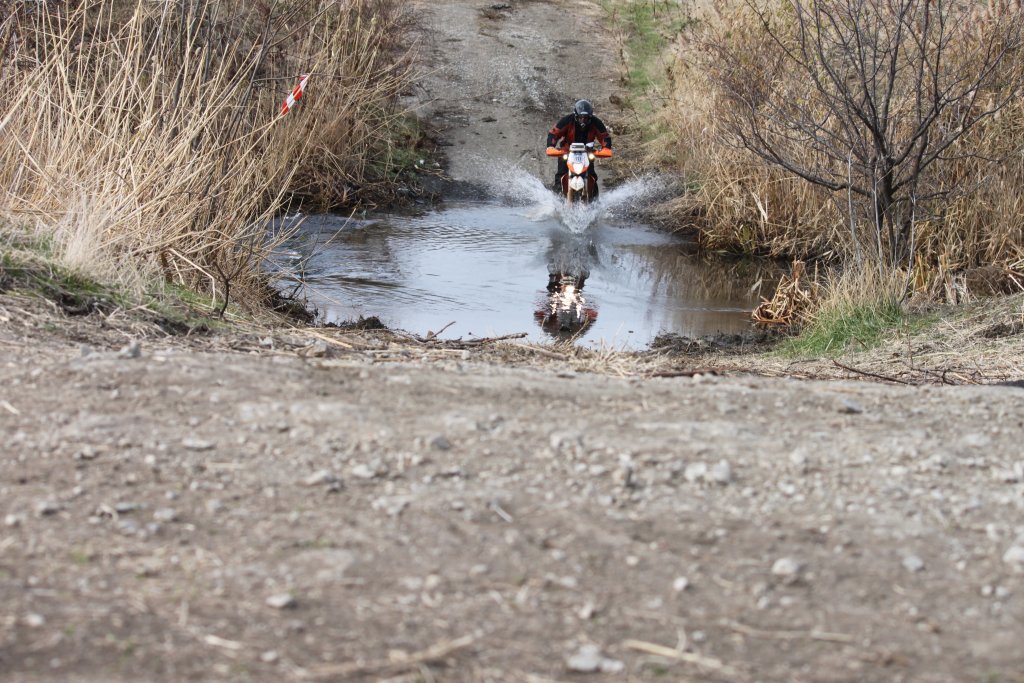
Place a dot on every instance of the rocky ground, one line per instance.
(270, 506)
(321, 505)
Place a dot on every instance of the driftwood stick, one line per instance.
(868, 374)
(789, 635)
(673, 653)
(432, 654)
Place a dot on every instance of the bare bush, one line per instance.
(900, 113)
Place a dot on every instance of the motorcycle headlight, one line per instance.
(591, 155)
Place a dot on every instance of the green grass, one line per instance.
(647, 26)
(27, 267)
(852, 327)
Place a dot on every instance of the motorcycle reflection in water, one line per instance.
(565, 313)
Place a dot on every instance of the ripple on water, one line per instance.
(486, 267)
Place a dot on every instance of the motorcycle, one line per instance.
(577, 183)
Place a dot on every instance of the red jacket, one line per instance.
(568, 131)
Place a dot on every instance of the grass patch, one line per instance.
(851, 326)
(28, 268)
(644, 29)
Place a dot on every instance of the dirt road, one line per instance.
(272, 506)
(497, 75)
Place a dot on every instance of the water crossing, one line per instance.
(487, 266)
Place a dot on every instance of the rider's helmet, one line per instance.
(583, 111)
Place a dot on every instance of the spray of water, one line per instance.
(521, 188)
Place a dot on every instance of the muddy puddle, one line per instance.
(489, 269)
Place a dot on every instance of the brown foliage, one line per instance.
(939, 172)
(146, 138)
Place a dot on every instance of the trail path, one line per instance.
(499, 74)
(247, 508)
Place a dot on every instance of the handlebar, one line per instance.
(603, 152)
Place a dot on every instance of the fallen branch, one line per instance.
(672, 653)
(686, 373)
(789, 635)
(433, 335)
(865, 373)
(394, 665)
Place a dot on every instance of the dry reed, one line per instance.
(145, 139)
(738, 202)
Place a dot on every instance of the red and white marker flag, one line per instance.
(296, 94)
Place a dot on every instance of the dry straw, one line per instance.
(144, 139)
(738, 202)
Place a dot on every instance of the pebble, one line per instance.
(34, 620)
(132, 350)
(623, 475)
(680, 584)
(48, 507)
(364, 471)
(125, 508)
(214, 505)
(269, 657)
(1014, 556)
(913, 563)
(11, 521)
(166, 515)
(850, 407)
(282, 601)
(193, 444)
(721, 473)
(440, 443)
(800, 461)
(320, 477)
(786, 567)
(588, 659)
(86, 453)
(317, 349)
(392, 506)
(695, 471)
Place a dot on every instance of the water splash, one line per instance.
(521, 188)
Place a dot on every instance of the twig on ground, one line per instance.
(223, 643)
(396, 664)
(687, 373)
(869, 374)
(789, 635)
(434, 335)
(329, 340)
(672, 653)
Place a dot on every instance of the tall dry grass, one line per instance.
(144, 140)
(738, 202)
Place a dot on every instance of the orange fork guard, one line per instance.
(555, 152)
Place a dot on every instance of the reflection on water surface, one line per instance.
(489, 268)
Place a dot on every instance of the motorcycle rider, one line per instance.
(579, 126)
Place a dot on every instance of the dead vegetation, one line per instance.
(768, 177)
(144, 141)
(792, 301)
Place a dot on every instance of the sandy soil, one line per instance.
(313, 505)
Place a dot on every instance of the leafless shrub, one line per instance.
(899, 119)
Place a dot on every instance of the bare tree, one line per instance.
(869, 98)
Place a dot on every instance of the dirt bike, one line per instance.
(578, 184)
